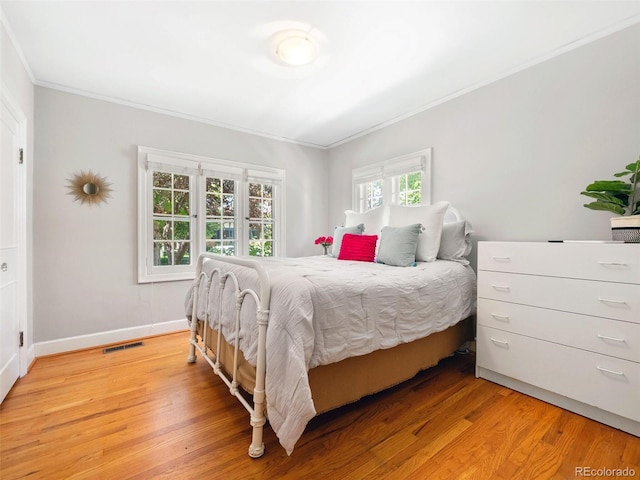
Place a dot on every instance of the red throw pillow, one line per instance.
(358, 247)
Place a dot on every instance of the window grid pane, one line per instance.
(261, 220)
(171, 219)
(370, 194)
(407, 189)
(220, 223)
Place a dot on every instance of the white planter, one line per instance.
(626, 228)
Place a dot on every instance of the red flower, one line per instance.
(324, 241)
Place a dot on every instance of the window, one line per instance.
(401, 181)
(261, 219)
(189, 204)
(407, 189)
(220, 221)
(171, 218)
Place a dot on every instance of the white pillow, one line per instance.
(373, 220)
(431, 218)
(455, 243)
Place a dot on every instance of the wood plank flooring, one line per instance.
(145, 413)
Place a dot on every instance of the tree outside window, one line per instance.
(409, 188)
(261, 220)
(220, 204)
(171, 219)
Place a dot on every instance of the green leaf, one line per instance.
(628, 172)
(612, 186)
(609, 207)
(605, 197)
(634, 167)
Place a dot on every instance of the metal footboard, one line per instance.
(262, 299)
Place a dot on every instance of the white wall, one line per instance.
(85, 257)
(514, 155)
(16, 83)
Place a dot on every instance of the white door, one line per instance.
(9, 250)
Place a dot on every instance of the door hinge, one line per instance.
(21, 159)
(21, 339)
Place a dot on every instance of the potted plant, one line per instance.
(621, 198)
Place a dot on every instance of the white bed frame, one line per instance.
(262, 300)
(257, 411)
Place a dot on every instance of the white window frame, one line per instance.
(387, 171)
(199, 167)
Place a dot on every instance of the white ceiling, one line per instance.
(380, 61)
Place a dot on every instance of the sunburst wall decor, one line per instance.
(89, 187)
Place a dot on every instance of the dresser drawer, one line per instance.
(602, 335)
(620, 301)
(608, 383)
(611, 262)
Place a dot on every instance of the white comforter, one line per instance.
(324, 310)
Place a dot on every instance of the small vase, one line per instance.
(326, 249)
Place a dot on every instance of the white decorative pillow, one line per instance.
(455, 243)
(431, 218)
(373, 219)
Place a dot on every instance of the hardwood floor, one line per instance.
(145, 413)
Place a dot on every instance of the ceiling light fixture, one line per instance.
(296, 47)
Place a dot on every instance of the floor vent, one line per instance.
(126, 346)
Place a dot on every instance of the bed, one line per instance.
(307, 335)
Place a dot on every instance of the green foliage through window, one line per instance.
(171, 219)
(261, 220)
(410, 188)
(220, 204)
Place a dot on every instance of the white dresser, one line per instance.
(561, 322)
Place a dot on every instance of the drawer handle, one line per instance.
(501, 259)
(604, 337)
(613, 264)
(501, 288)
(608, 300)
(501, 318)
(606, 370)
(499, 342)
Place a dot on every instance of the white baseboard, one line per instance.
(31, 357)
(104, 338)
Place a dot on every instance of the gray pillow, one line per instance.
(455, 243)
(339, 233)
(398, 245)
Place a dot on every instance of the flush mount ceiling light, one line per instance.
(295, 47)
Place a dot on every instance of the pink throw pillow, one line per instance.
(358, 247)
